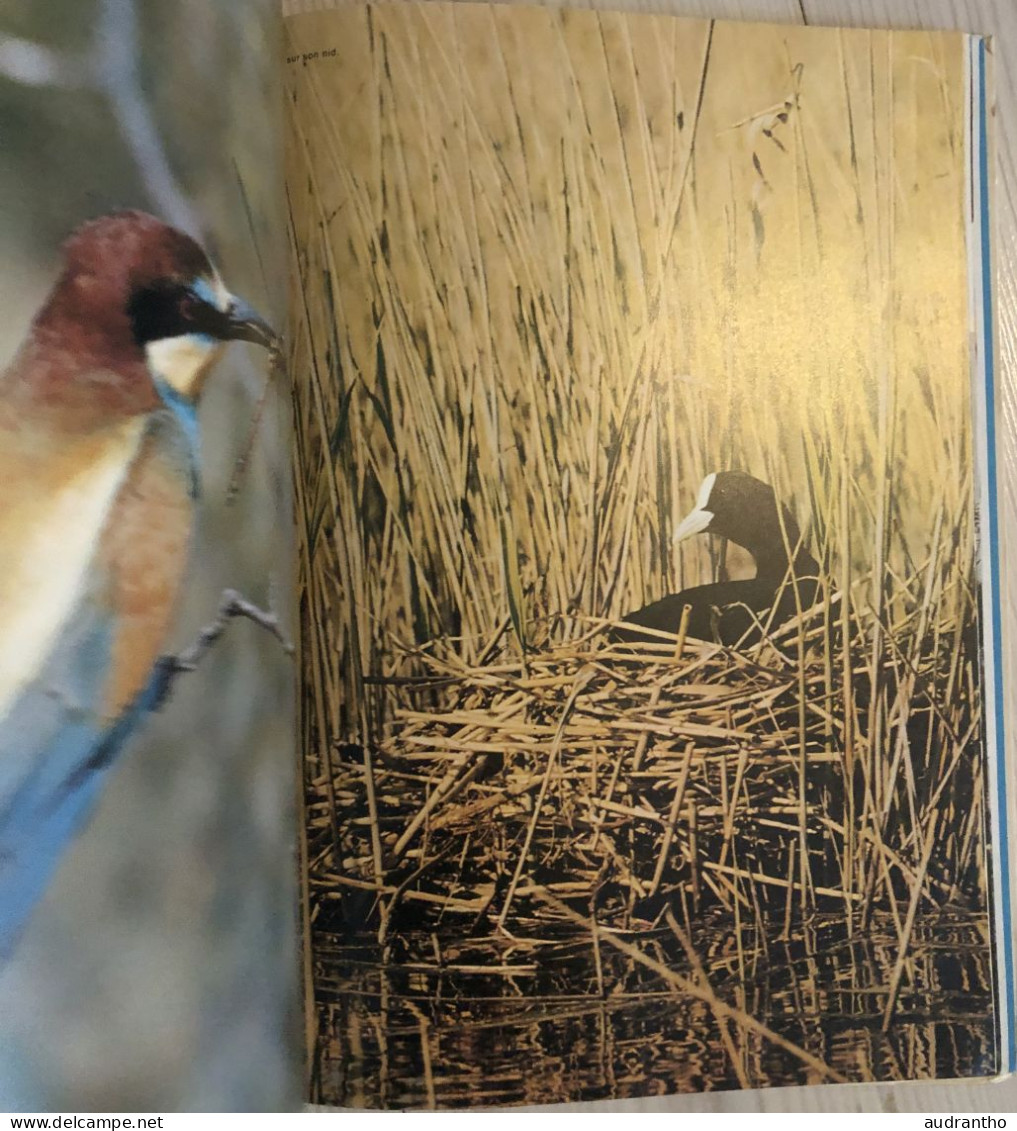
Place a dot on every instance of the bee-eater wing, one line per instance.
(47, 739)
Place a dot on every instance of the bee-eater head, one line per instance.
(183, 316)
(142, 302)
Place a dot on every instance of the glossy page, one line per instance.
(647, 543)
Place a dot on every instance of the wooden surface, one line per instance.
(998, 18)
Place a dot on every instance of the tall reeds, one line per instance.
(552, 268)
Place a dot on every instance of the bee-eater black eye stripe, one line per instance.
(171, 310)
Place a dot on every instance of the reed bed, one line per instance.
(551, 269)
(604, 776)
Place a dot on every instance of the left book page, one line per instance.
(147, 935)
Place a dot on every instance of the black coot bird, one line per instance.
(743, 509)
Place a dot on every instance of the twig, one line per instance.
(275, 369)
(231, 605)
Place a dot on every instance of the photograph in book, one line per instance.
(649, 740)
(148, 940)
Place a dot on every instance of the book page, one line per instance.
(147, 932)
(643, 390)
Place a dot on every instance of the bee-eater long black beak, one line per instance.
(245, 324)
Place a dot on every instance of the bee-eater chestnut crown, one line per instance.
(141, 302)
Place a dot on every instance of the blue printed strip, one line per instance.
(990, 550)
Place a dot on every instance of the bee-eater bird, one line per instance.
(98, 480)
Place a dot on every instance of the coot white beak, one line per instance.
(700, 518)
(693, 523)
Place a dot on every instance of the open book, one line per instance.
(645, 617)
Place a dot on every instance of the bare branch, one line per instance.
(112, 68)
(116, 71)
(231, 605)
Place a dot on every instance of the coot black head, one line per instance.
(745, 510)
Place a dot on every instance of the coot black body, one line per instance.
(744, 510)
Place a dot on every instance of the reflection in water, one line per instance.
(556, 1018)
(647, 890)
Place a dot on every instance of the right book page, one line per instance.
(649, 580)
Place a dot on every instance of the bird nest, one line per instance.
(508, 794)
